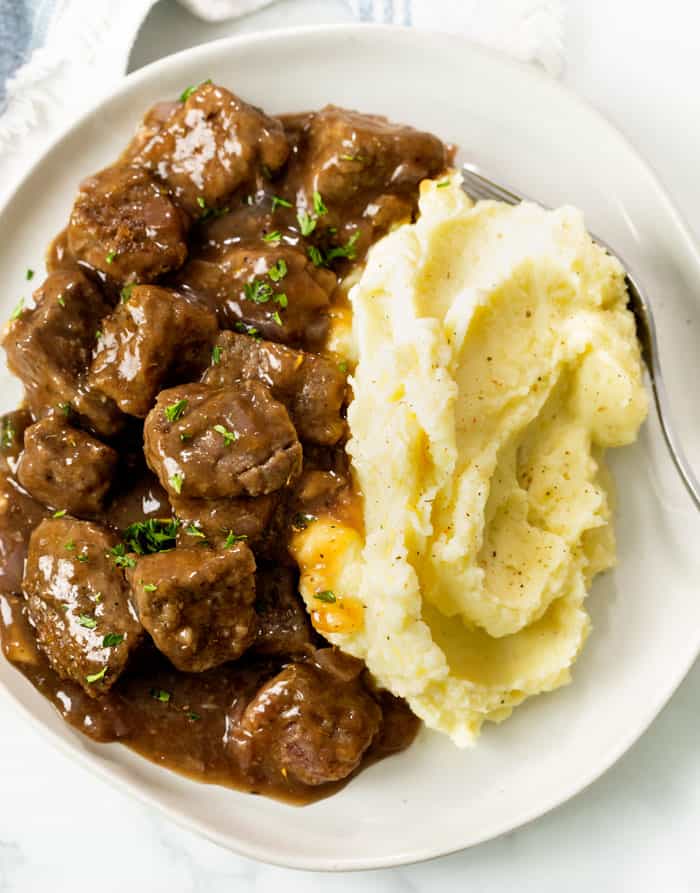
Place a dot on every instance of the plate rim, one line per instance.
(102, 769)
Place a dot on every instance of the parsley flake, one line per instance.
(257, 291)
(121, 559)
(326, 596)
(61, 300)
(278, 271)
(316, 256)
(149, 587)
(65, 408)
(277, 318)
(125, 293)
(282, 300)
(247, 330)
(319, 206)
(215, 355)
(87, 621)
(70, 545)
(96, 677)
(153, 535)
(443, 183)
(176, 483)
(176, 410)
(229, 436)
(160, 694)
(234, 538)
(19, 309)
(29, 274)
(307, 222)
(192, 715)
(348, 250)
(83, 557)
(274, 237)
(111, 640)
(343, 367)
(193, 530)
(278, 202)
(109, 257)
(188, 91)
(8, 434)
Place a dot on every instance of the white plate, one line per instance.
(520, 125)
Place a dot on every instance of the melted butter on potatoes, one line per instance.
(496, 363)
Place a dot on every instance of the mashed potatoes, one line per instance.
(496, 362)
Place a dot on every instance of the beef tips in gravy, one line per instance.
(184, 414)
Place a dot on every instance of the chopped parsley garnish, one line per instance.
(29, 274)
(83, 557)
(278, 202)
(274, 237)
(257, 291)
(96, 677)
(97, 597)
(111, 640)
(229, 436)
(185, 436)
(326, 596)
(247, 330)
(160, 694)
(61, 300)
(282, 300)
(208, 212)
(343, 367)
(307, 222)
(17, 312)
(65, 408)
(347, 250)
(301, 521)
(70, 545)
(443, 183)
(234, 538)
(8, 434)
(153, 535)
(149, 587)
(176, 410)
(109, 257)
(188, 91)
(193, 530)
(201, 201)
(98, 335)
(316, 256)
(121, 559)
(215, 355)
(87, 621)
(277, 318)
(351, 158)
(319, 206)
(192, 715)
(176, 483)
(125, 293)
(278, 271)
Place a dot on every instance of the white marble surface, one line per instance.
(637, 828)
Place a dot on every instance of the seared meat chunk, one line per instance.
(353, 158)
(219, 520)
(153, 339)
(154, 119)
(307, 723)
(210, 443)
(311, 387)
(19, 515)
(66, 468)
(283, 624)
(276, 292)
(78, 602)
(197, 604)
(210, 146)
(124, 224)
(49, 349)
(12, 427)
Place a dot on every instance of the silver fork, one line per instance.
(477, 186)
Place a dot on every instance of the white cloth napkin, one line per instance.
(87, 44)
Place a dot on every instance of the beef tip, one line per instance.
(78, 602)
(283, 624)
(152, 339)
(338, 664)
(124, 224)
(197, 603)
(210, 146)
(306, 723)
(19, 515)
(311, 387)
(152, 122)
(352, 158)
(275, 292)
(66, 468)
(49, 348)
(211, 443)
(12, 427)
(218, 520)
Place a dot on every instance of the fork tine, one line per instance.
(480, 187)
